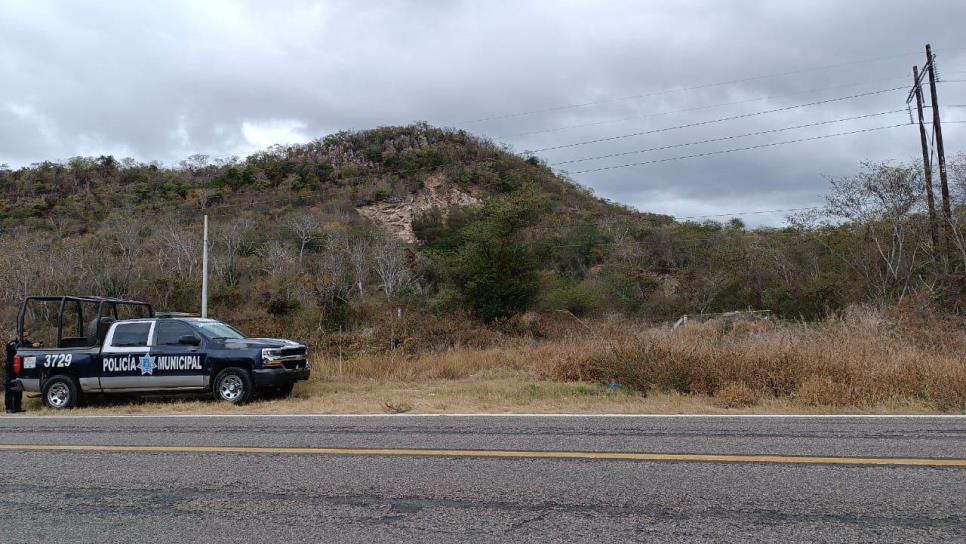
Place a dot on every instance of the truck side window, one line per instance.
(167, 333)
(131, 335)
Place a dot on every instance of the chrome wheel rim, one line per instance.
(231, 388)
(58, 395)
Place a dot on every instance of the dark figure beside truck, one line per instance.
(152, 355)
(12, 395)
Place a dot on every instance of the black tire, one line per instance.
(61, 393)
(280, 392)
(233, 385)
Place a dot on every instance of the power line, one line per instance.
(687, 110)
(719, 120)
(733, 137)
(696, 108)
(758, 212)
(496, 159)
(682, 89)
(291, 200)
(733, 150)
(762, 146)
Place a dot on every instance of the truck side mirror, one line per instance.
(189, 340)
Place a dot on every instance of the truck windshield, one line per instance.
(220, 331)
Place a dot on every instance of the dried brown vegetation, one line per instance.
(864, 361)
(861, 359)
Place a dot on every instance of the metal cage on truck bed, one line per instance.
(107, 308)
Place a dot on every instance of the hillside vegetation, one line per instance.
(408, 243)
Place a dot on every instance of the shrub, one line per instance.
(823, 391)
(576, 298)
(861, 359)
(281, 305)
(736, 395)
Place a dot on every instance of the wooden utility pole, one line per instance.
(940, 150)
(926, 163)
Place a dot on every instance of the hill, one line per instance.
(416, 254)
(367, 231)
(358, 170)
(281, 218)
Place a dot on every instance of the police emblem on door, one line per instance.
(146, 365)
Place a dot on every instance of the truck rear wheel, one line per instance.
(61, 392)
(234, 385)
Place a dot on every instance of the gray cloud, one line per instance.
(160, 81)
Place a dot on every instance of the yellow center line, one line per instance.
(502, 454)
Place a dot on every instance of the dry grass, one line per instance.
(862, 362)
(736, 395)
(507, 396)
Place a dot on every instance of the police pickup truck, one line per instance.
(148, 354)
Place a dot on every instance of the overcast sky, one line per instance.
(164, 80)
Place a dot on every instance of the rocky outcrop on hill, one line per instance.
(396, 213)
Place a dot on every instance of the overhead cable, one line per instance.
(718, 120)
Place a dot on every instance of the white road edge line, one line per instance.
(474, 415)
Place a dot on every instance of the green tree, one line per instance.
(494, 272)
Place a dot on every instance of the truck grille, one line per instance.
(294, 358)
(288, 352)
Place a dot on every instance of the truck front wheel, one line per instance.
(61, 392)
(234, 385)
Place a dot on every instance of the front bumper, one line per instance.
(277, 377)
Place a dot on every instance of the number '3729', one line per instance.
(59, 360)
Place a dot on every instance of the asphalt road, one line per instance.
(217, 496)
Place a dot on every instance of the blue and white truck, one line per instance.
(103, 353)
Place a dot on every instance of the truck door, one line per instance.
(178, 363)
(126, 363)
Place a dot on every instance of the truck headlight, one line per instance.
(271, 356)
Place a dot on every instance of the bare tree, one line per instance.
(391, 266)
(29, 274)
(279, 262)
(201, 171)
(306, 227)
(229, 238)
(879, 204)
(205, 196)
(957, 185)
(125, 238)
(276, 259)
(712, 287)
(333, 282)
(360, 257)
(178, 249)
